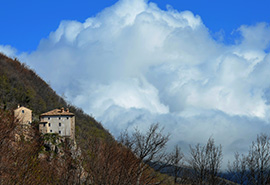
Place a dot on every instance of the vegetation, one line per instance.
(26, 157)
(21, 161)
(100, 159)
(205, 162)
(148, 149)
(255, 167)
(21, 85)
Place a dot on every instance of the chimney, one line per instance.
(67, 109)
(62, 109)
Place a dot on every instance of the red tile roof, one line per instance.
(57, 112)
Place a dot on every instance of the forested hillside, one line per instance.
(98, 159)
(21, 85)
(28, 157)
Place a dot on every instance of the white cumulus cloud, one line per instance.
(134, 64)
(8, 50)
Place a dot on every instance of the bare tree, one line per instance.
(23, 161)
(258, 160)
(198, 163)
(131, 161)
(176, 161)
(19, 163)
(205, 162)
(149, 149)
(107, 162)
(214, 157)
(238, 169)
(255, 167)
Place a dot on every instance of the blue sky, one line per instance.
(199, 68)
(33, 20)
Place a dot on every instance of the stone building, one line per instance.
(23, 115)
(59, 121)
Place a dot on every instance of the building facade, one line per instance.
(59, 121)
(23, 115)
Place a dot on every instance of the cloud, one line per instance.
(255, 37)
(8, 50)
(134, 64)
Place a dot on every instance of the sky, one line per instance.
(34, 20)
(199, 68)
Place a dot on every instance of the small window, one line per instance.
(59, 131)
(49, 124)
(59, 117)
(22, 111)
(49, 118)
(59, 124)
(67, 117)
(50, 130)
(44, 124)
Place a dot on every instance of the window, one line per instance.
(49, 118)
(59, 124)
(50, 130)
(22, 111)
(59, 131)
(44, 124)
(49, 124)
(67, 117)
(59, 117)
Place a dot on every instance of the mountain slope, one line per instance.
(100, 159)
(21, 85)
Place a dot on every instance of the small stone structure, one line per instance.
(59, 121)
(23, 115)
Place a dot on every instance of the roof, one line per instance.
(22, 107)
(58, 112)
(42, 122)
